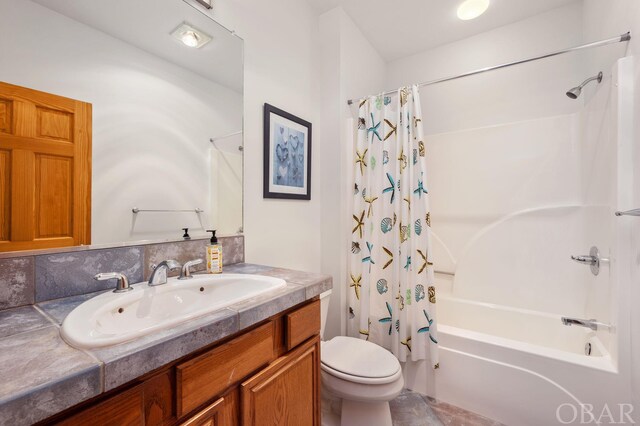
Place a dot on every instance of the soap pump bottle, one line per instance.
(214, 254)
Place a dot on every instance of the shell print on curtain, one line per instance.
(391, 292)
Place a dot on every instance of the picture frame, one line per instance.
(287, 155)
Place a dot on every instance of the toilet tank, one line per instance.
(324, 310)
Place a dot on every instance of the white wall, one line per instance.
(504, 210)
(598, 153)
(504, 161)
(226, 184)
(152, 120)
(516, 93)
(605, 19)
(280, 69)
(351, 67)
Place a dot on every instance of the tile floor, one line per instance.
(413, 409)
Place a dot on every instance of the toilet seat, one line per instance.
(359, 379)
(358, 361)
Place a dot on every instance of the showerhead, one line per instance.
(575, 92)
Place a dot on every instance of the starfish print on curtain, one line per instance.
(392, 294)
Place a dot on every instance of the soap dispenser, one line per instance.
(214, 254)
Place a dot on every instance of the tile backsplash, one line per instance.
(40, 277)
(68, 274)
(17, 282)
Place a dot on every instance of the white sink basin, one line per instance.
(113, 318)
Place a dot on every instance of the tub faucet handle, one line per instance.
(593, 259)
(589, 260)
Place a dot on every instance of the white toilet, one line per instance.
(363, 375)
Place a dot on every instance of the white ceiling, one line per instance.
(147, 24)
(404, 27)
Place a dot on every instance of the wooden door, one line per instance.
(287, 392)
(45, 170)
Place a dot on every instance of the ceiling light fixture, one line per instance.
(190, 35)
(471, 9)
(206, 3)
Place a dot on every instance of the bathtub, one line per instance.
(512, 360)
(525, 330)
(514, 365)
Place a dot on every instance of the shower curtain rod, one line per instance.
(618, 39)
(225, 136)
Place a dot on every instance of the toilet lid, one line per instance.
(357, 357)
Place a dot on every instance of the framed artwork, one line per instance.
(287, 155)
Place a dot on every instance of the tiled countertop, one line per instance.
(40, 375)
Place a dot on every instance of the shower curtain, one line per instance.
(391, 293)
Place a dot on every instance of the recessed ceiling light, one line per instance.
(471, 9)
(191, 36)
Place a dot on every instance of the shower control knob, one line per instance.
(593, 259)
(590, 260)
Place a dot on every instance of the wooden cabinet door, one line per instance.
(223, 412)
(213, 415)
(287, 392)
(45, 170)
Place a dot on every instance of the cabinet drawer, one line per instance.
(208, 375)
(124, 409)
(302, 324)
(149, 403)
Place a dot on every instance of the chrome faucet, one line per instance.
(185, 274)
(593, 324)
(159, 274)
(122, 285)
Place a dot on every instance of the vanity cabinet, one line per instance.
(268, 374)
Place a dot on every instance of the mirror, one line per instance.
(165, 87)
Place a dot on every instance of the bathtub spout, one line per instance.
(593, 324)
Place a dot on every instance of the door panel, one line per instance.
(54, 124)
(45, 180)
(22, 200)
(5, 194)
(6, 113)
(54, 187)
(223, 412)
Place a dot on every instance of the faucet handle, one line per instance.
(122, 283)
(589, 260)
(185, 274)
(593, 259)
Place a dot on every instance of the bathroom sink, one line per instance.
(113, 318)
